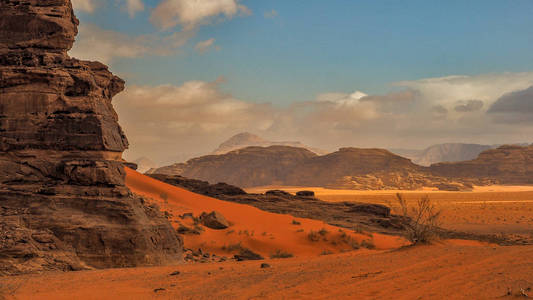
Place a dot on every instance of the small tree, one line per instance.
(422, 220)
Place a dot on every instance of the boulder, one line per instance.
(305, 193)
(214, 220)
(247, 254)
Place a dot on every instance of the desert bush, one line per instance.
(281, 254)
(422, 220)
(323, 232)
(294, 222)
(326, 252)
(313, 236)
(369, 244)
(233, 247)
(350, 241)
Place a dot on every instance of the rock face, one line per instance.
(348, 168)
(334, 169)
(63, 201)
(252, 166)
(504, 165)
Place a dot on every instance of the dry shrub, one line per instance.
(233, 247)
(350, 241)
(313, 236)
(281, 254)
(323, 232)
(368, 244)
(422, 220)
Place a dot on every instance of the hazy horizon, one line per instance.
(343, 73)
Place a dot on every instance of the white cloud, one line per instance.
(133, 7)
(447, 91)
(94, 43)
(196, 116)
(186, 118)
(191, 13)
(88, 6)
(341, 98)
(204, 46)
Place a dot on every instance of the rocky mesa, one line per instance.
(508, 164)
(347, 168)
(63, 201)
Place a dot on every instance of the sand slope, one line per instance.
(260, 231)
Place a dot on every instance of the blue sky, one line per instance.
(289, 60)
(316, 46)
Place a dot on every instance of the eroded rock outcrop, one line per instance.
(508, 164)
(63, 201)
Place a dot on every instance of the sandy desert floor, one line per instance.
(499, 210)
(442, 271)
(327, 268)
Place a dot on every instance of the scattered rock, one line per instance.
(452, 187)
(277, 193)
(214, 220)
(305, 193)
(247, 254)
(182, 229)
(265, 265)
(373, 209)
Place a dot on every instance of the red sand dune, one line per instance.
(260, 231)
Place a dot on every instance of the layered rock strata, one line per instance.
(64, 204)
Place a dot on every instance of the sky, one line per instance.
(391, 74)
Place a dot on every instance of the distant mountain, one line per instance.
(251, 166)
(246, 139)
(144, 164)
(509, 164)
(449, 152)
(350, 168)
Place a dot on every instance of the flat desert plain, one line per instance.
(326, 268)
(487, 210)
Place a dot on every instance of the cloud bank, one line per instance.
(95, 43)
(164, 121)
(192, 13)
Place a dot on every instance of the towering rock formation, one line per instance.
(63, 201)
(508, 164)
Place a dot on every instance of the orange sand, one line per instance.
(426, 272)
(452, 269)
(486, 210)
(260, 231)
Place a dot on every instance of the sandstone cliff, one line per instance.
(252, 166)
(505, 165)
(349, 168)
(63, 201)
